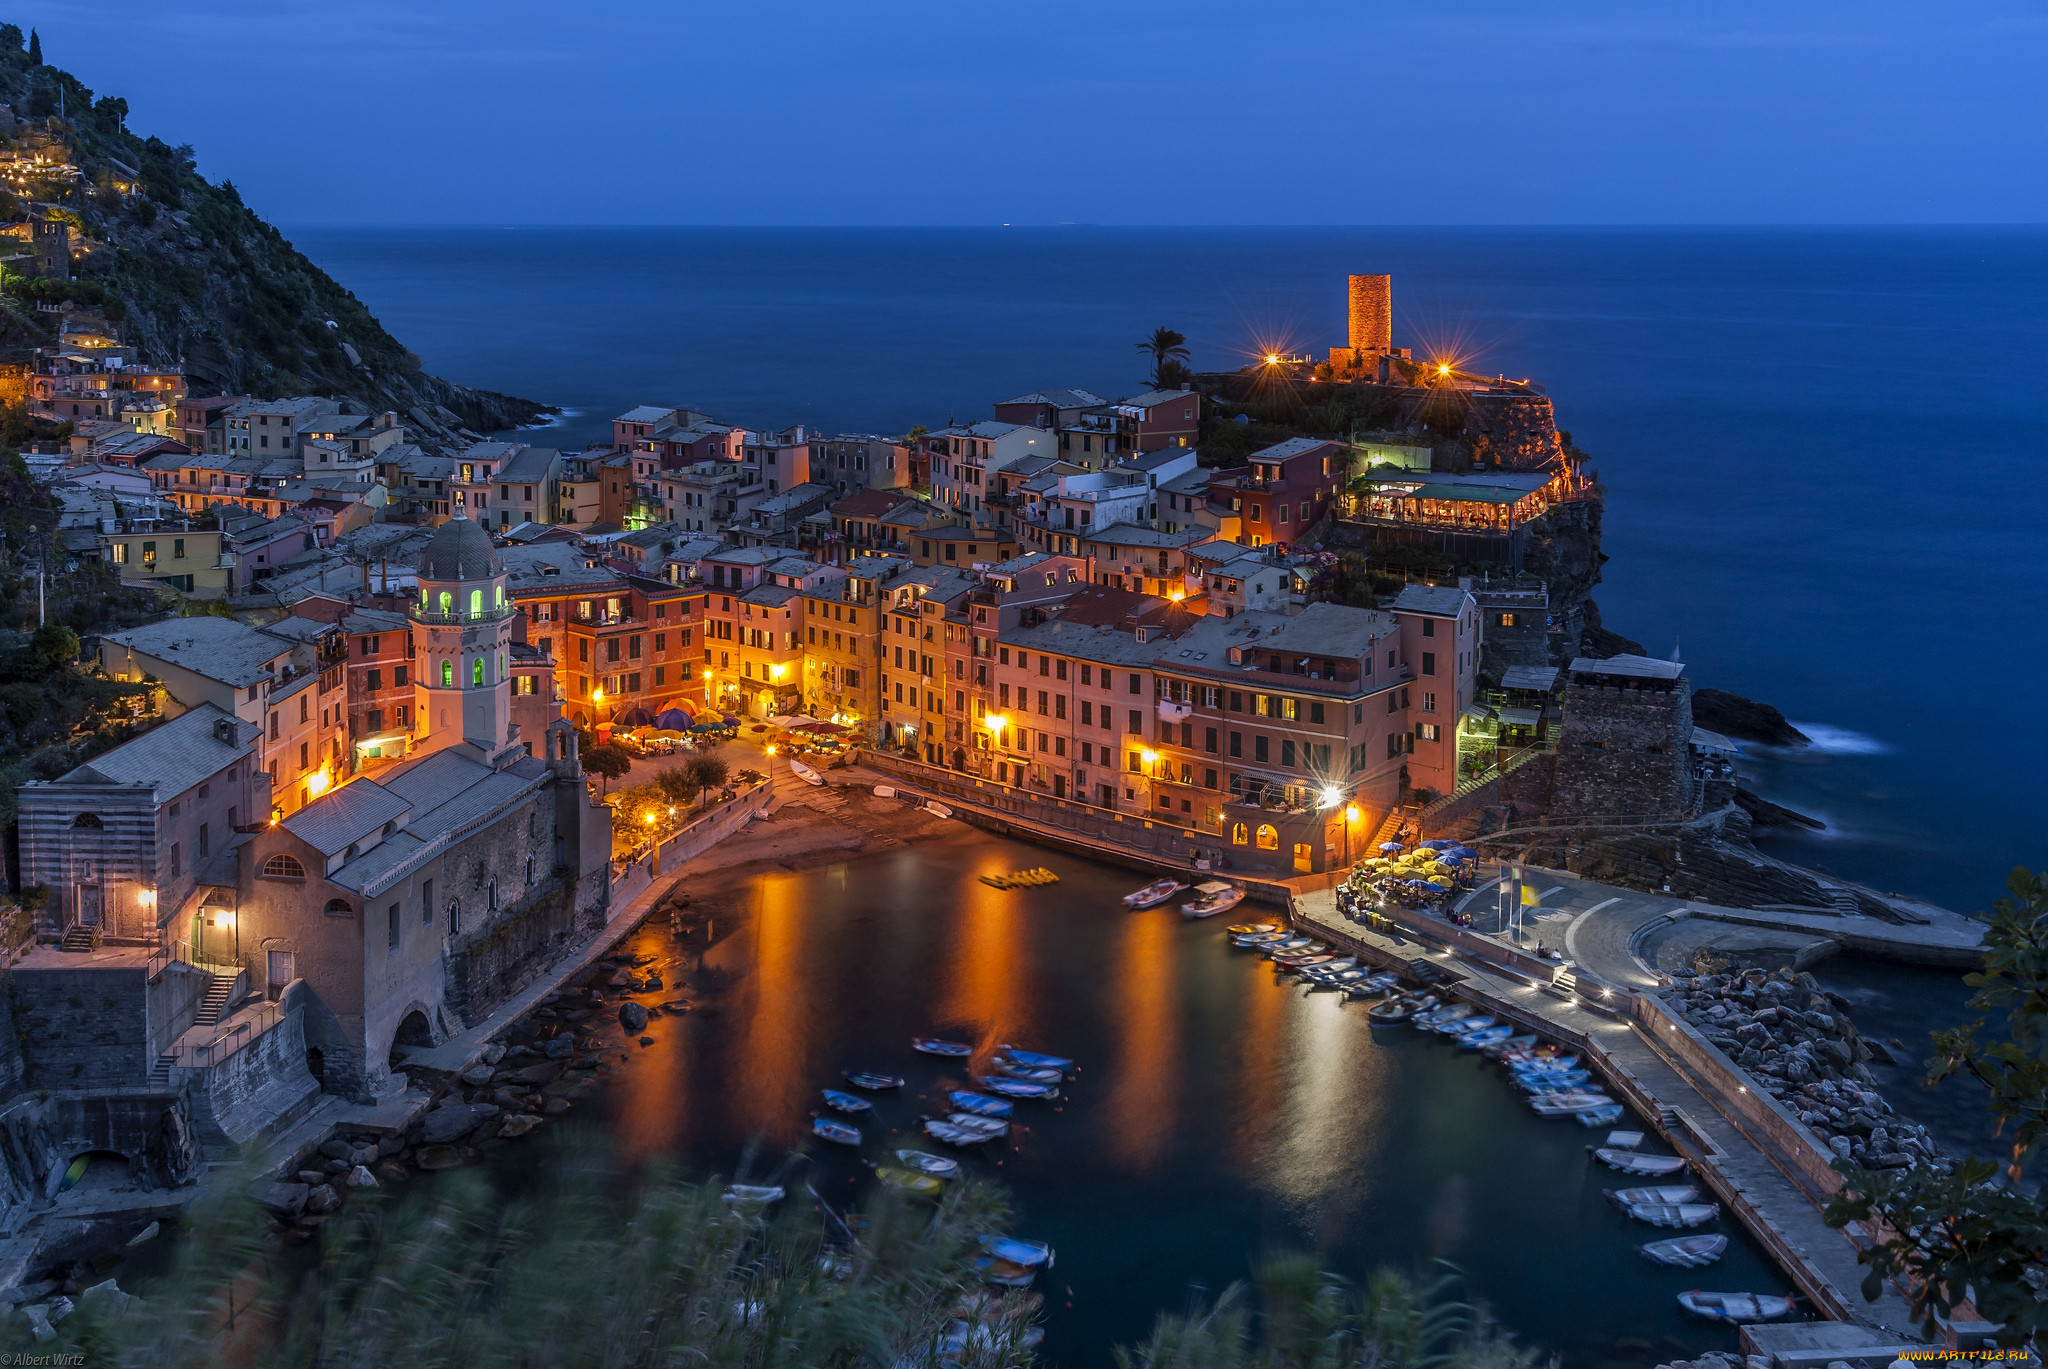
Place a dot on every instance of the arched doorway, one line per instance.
(414, 1032)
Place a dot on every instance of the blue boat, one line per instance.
(861, 1079)
(1018, 1088)
(840, 1101)
(827, 1129)
(1051, 1062)
(981, 1103)
(932, 1045)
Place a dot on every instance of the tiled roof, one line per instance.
(218, 648)
(171, 757)
(1443, 601)
(347, 815)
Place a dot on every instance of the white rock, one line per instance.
(360, 1177)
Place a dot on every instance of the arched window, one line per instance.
(88, 821)
(447, 602)
(529, 869)
(476, 671)
(454, 916)
(494, 896)
(339, 907)
(282, 866)
(498, 595)
(476, 603)
(447, 674)
(1269, 837)
(1241, 834)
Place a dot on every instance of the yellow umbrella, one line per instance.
(1440, 881)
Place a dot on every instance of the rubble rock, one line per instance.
(440, 1157)
(360, 1177)
(518, 1124)
(632, 1017)
(107, 1298)
(287, 1200)
(560, 1048)
(476, 1075)
(494, 1052)
(445, 1124)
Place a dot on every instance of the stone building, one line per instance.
(1624, 750)
(462, 630)
(1371, 314)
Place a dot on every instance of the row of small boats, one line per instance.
(1211, 897)
(1556, 1084)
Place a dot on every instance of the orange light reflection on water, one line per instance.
(989, 961)
(1259, 1039)
(771, 1091)
(1144, 1092)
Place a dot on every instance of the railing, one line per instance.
(242, 1030)
(1491, 773)
(169, 952)
(487, 615)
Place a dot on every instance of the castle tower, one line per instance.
(461, 638)
(1372, 315)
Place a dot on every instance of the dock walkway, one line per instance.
(1756, 1182)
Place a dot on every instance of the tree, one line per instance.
(678, 785)
(1165, 345)
(35, 48)
(55, 645)
(709, 771)
(1972, 1232)
(1313, 1320)
(609, 761)
(1172, 375)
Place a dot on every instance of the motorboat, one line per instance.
(805, 773)
(1038, 1058)
(932, 1045)
(755, 1195)
(981, 1103)
(1648, 1166)
(1503, 1047)
(937, 810)
(1734, 1309)
(837, 1132)
(846, 1102)
(1153, 894)
(1685, 1252)
(987, 1126)
(910, 1181)
(1005, 1273)
(1679, 1215)
(1033, 1073)
(1285, 945)
(938, 1166)
(1599, 1117)
(861, 1079)
(1472, 1041)
(1656, 1193)
(1251, 928)
(1295, 964)
(1018, 1088)
(1031, 1254)
(1216, 897)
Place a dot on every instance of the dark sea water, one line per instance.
(1824, 449)
(1218, 1114)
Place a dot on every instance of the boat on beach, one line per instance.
(1734, 1309)
(1685, 1252)
(1153, 894)
(1216, 897)
(1629, 1162)
(805, 773)
(932, 1045)
(839, 1101)
(824, 1128)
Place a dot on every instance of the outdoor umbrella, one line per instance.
(707, 727)
(674, 717)
(1390, 846)
(638, 717)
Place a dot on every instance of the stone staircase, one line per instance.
(211, 1006)
(79, 937)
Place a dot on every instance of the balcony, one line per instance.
(487, 615)
(1171, 712)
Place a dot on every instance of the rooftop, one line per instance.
(1440, 601)
(218, 648)
(1628, 667)
(170, 758)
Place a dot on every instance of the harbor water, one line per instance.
(1218, 1113)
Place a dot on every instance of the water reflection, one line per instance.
(985, 984)
(774, 1096)
(1329, 1115)
(1144, 1004)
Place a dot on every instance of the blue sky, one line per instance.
(1194, 112)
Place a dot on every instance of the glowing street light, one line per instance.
(996, 722)
(1332, 796)
(597, 695)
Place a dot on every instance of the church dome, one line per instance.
(461, 550)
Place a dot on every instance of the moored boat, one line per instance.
(1630, 1162)
(838, 1132)
(1216, 897)
(981, 1103)
(1251, 928)
(910, 1181)
(932, 1045)
(1497, 1049)
(1735, 1308)
(1036, 1074)
(1565, 1104)
(861, 1079)
(923, 1162)
(1017, 1088)
(1031, 1254)
(1023, 1057)
(752, 1194)
(1153, 894)
(987, 1126)
(846, 1102)
(1655, 1193)
(1685, 1252)
(1599, 1117)
(941, 1130)
(1678, 1215)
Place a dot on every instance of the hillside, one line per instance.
(190, 272)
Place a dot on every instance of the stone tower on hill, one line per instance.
(1625, 750)
(462, 630)
(1372, 315)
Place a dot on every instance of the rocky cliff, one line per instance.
(190, 273)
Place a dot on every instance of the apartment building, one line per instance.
(273, 427)
(201, 562)
(1284, 490)
(843, 626)
(849, 462)
(963, 459)
(616, 642)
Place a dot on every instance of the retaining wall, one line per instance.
(258, 1089)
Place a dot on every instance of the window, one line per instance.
(1429, 627)
(1258, 748)
(426, 903)
(1237, 744)
(1137, 720)
(1269, 837)
(339, 907)
(476, 671)
(1428, 701)
(391, 941)
(1315, 711)
(1507, 620)
(1137, 686)
(1427, 732)
(89, 822)
(175, 864)
(447, 674)
(305, 709)
(282, 866)
(398, 671)
(376, 680)
(1429, 663)
(1240, 834)
(303, 762)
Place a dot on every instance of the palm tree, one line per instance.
(1166, 346)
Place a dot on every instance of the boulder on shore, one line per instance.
(1763, 813)
(632, 1017)
(1746, 720)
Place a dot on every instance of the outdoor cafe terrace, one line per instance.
(1493, 503)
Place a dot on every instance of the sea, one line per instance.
(1823, 453)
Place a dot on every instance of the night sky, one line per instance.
(1180, 112)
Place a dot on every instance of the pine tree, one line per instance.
(35, 48)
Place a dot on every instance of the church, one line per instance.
(415, 900)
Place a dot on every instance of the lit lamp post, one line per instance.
(995, 723)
